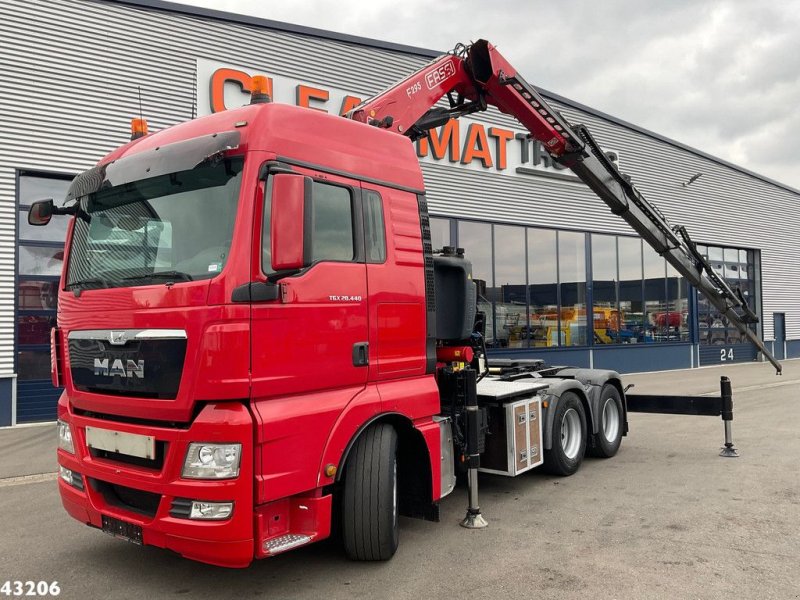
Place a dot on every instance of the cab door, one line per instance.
(310, 351)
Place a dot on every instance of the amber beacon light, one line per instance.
(259, 90)
(138, 128)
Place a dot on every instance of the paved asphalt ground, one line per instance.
(665, 518)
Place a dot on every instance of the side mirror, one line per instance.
(40, 212)
(291, 196)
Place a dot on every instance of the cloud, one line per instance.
(722, 76)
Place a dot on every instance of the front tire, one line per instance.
(569, 436)
(369, 503)
(612, 420)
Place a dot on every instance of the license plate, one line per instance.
(132, 444)
(122, 530)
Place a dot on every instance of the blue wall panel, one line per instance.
(552, 356)
(792, 348)
(636, 358)
(5, 401)
(36, 400)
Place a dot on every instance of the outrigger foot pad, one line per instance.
(474, 520)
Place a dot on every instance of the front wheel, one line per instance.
(569, 436)
(612, 419)
(369, 503)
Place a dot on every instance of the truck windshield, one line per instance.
(175, 227)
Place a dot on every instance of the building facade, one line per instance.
(560, 277)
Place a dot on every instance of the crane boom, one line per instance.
(473, 77)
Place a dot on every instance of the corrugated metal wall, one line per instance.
(69, 70)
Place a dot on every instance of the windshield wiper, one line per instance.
(88, 281)
(171, 275)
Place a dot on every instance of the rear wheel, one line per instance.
(609, 434)
(569, 436)
(369, 503)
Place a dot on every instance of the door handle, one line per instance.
(361, 354)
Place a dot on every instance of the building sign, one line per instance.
(465, 143)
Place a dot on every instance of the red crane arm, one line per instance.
(475, 76)
(471, 77)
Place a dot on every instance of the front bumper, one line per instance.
(144, 494)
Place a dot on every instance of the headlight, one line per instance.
(65, 437)
(212, 461)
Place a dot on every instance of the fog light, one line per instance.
(65, 437)
(211, 511)
(71, 477)
(65, 474)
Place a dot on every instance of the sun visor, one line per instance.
(170, 158)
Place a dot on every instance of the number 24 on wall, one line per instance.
(726, 354)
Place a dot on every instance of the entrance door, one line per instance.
(779, 326)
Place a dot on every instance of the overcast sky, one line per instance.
(722, 76)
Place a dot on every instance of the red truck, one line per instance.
(256, 337)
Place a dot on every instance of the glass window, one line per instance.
(33, 364)
(508, 293)
(737, 267)
(572, 287)
(33, 188)
(35, 329)
(177, 226)
(39, 267)
(604, 287)
(54, 231)
(440, 233)
(658, 321)
(37, 260)
(37, 295)
(374, 230)
(543, 287)
(677, 304)
(631, 309)
(332, 223)
(476, 239)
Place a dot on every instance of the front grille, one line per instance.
(156, 463)
(139, 368)
(138, 501)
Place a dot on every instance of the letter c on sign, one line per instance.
(224, 75)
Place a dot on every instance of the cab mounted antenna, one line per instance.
(138, 126)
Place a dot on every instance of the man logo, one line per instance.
(117, 338)
(129, 369)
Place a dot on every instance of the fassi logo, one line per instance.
(436, 76)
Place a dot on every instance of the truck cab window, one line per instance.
(147, 231)
(374, 230)
(332, 223)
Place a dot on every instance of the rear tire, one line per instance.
(612, 420)
(569, 437)
(369, 503)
